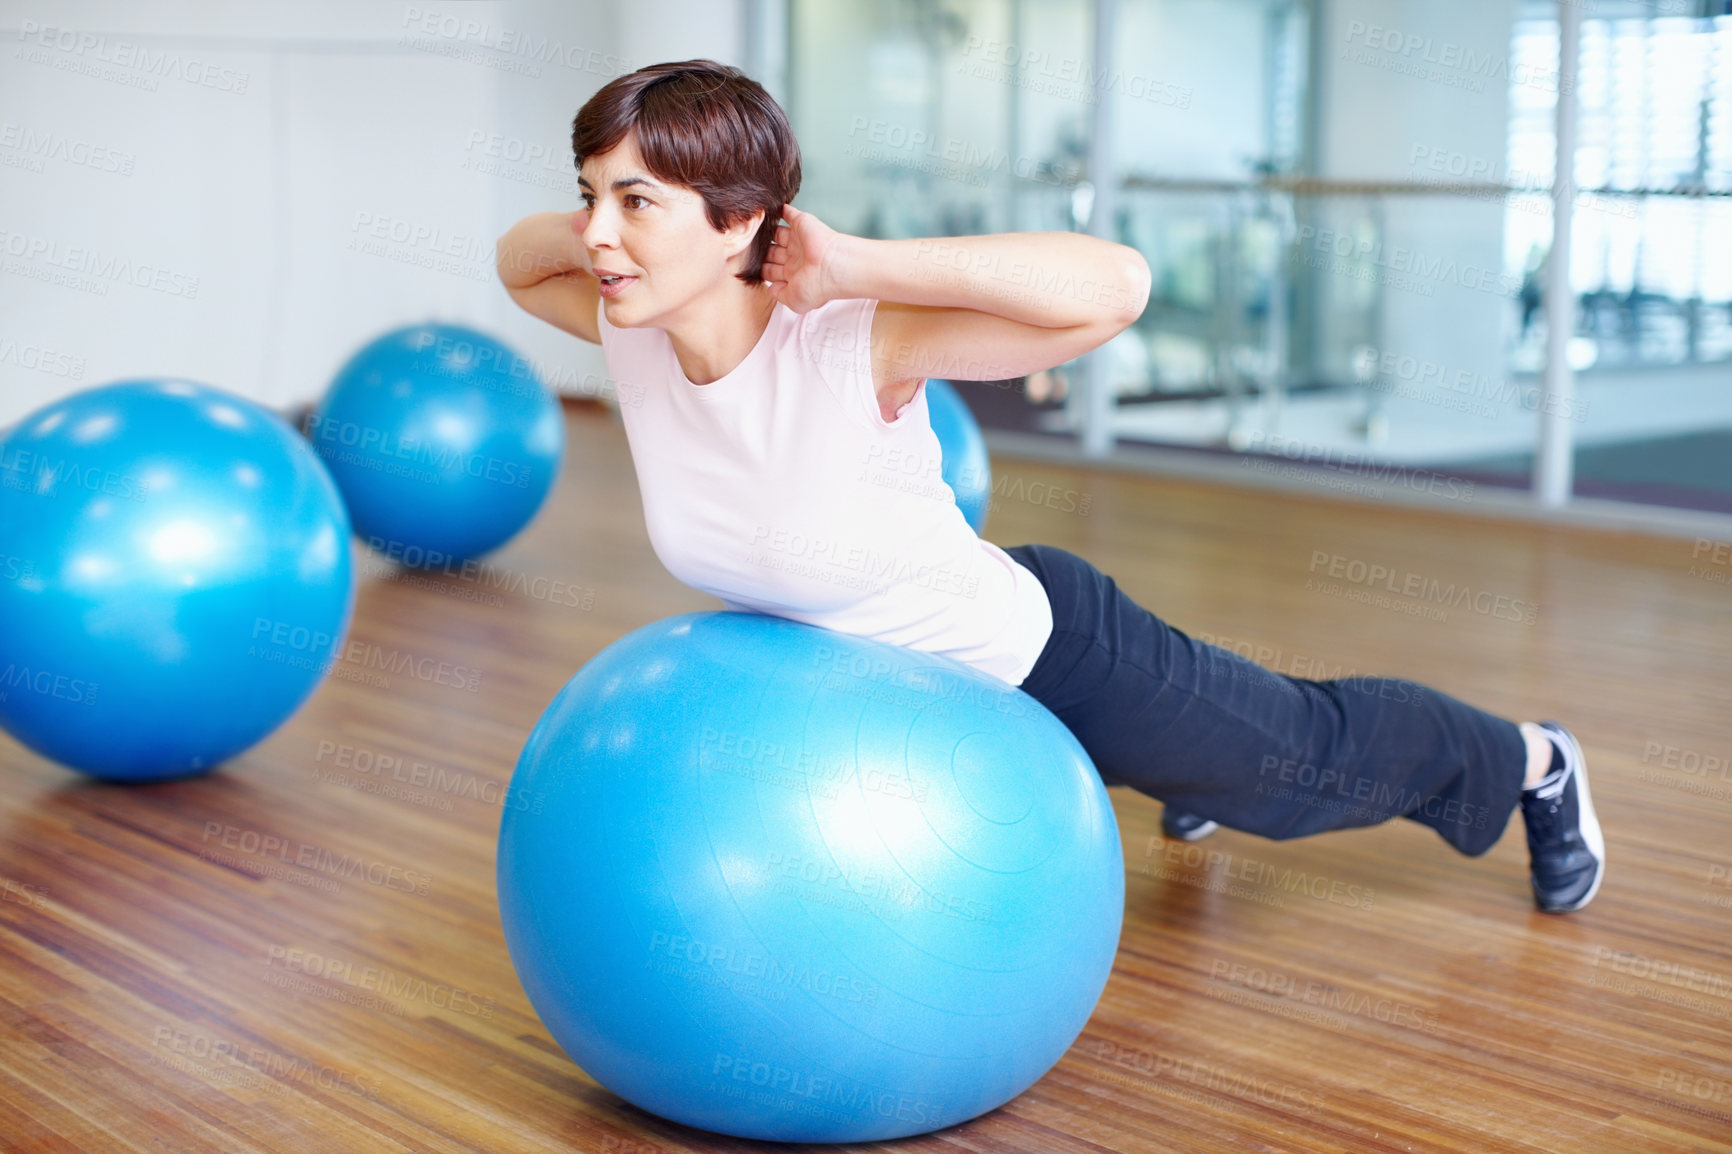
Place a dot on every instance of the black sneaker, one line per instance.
(1186, 826)
(1564, 840)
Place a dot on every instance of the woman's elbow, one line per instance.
(1135, 282)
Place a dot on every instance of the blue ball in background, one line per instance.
(785, 883)
(964, 463)
(443, 441)
(174, 575)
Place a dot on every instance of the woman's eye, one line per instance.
(588, 199)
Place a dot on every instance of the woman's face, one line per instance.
(656, 235)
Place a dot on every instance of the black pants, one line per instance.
(1217, 735)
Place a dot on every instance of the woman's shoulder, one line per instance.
(843, 312)
(836, 335)
(833, 343)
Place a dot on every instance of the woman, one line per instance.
(769, 378)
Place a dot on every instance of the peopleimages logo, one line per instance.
(1266, 451)
(1066, 77)
(43, 360)
(1446, 62)
(1716, 558)
(45, 476)
(1372, 575)
(1207, 1075)
(372, 446)
(821, 1095)
(1310, 1000)
(40, 145)
(851, 564)
(90, 269)
(222, 1060)
(1331, 789)
(1461, 390)
(318, 859)
(368, 763)
(1407, 268)
(728, 959)
(375, 987)
(15, 678)
(515, 49)
(85, 51)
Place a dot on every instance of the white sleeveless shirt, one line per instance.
(781, 489)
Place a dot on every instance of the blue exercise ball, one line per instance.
(964, 462)
(443, 441)
(174, 574)
(784, 883)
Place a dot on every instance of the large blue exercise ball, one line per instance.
(174, 576)
(964, 463)
(443, 441)
(784, 883)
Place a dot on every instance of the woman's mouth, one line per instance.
(613, 284)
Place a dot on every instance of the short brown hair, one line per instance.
(708, 127)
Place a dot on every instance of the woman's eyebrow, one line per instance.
(623, 182)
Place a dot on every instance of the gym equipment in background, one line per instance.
(443, 441)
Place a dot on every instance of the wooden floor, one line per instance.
(1369, 991)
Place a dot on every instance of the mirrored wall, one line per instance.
(1347, 234)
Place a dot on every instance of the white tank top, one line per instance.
(781, 489)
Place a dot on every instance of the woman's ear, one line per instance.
(742, 233)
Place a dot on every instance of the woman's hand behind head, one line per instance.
(801, 268)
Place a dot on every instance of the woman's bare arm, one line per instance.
(1050, 280)
(542, 263)
(967, 308)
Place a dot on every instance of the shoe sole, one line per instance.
(1591, 832)
(1197, 834)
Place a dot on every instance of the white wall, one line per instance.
(657, 30)
(243, 194)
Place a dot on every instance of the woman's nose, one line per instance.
(599, 232)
